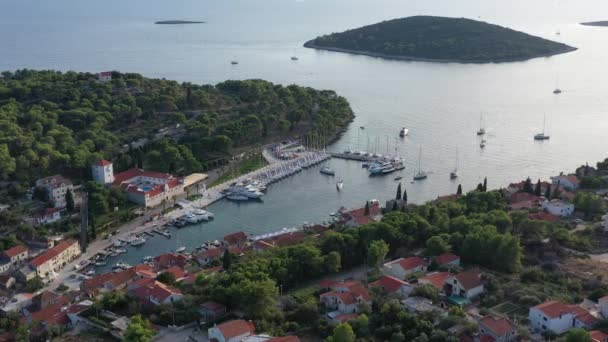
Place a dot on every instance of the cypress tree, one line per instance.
(459, 191)
(480, 187)
(548, 192)
(404, 197)
(227, 260)
(366, 212)
(528, 186)
(69, 201)
(395, 206)
(398, 197)
(485, 184)
(537, 190)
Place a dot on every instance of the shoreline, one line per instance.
(311, 45)
(602, 23)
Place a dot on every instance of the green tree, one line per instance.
(485, 184)
(333, 262)
(366, 210)
(528, 186)
(139, 330)
(166, 278)
(69, 201)
(227, 260)
(437, 244)
(404, 197)
(255, 297)
(398, 196)
(342, 333)
(548, 192)
(376, 252)
(578, 335)
(537, 189)
(591, 204)
(480, 187)
(8, 164)
(459, 190)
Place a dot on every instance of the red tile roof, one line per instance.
(284, 339)
(436, 279)
(102, 162)
(486, 338)
(47, 212)
(587, 318)
(446, 258)
(155, 289)
(135, 172)
(523, 197)
(409, 263)
(359, 214)
(235, 238)
(287, 239)
(345, 317)
(598, 336)
(469, 279)
(14, 251)
(53, 252)
(543, 216)
(235, 328)
(390, 284)
(499, 326)
(170, 259)
(177, 272)
(553, 309)
(105, 73)
(213, 306)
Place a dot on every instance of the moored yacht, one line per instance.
(404, 131)
(327, 171)
(137, 242)
(339, 185)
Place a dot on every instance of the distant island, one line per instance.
(596, 23)
(440, 39)
(178, 22)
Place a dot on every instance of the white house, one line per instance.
(47, 215)
(346, 297)
(104, 76)
(103, 172)
(447, 260)
(56, 188)
(393, 285)
(570, 182)
(557, 207)
(466, 284)
(603, 302)
(232, 331)
(149, 188)
(559, 317)
(402, 267)
(499, 328)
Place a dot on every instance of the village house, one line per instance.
(54, 259)
(208, 256)
(402, 267)
(466, 284)
(523, 200)
(603, 305)
(16, 255)
(167, 260)
(559, 318)
(150, 291)
(345, 297)
(238, 239)
(7, 281)
(500, 329)
(598, 336)
(17, 303)
(56, 188)
(557, 207)
(393, 285)
(5, 266)
(543, 216)
(47, 215)
(447, 260)
(436, 279)
(357, 217)
(231, 331)
(104, 76)
(420, 305)
(25, 274)
(115, 281)
(145, 188)
(570, 182)
(103, 172)
(212, 311)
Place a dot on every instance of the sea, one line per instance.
(441, 104)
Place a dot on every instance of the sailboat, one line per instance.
(542, 136)
(420, 174)
(454, 173)
(481, 130)
(483, 143)
(557, 90)
(339, 185)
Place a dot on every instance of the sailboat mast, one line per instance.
(419, 156)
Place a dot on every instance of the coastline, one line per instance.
(602, 23)
(311, 45)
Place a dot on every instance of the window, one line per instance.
(545, 319)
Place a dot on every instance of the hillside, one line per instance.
(440, 39)
(53, 122)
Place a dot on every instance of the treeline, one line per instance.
(54, 122)
(443, 39)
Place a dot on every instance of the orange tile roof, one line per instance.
(436, 279)
(284, 339)
(390, 284)
(446, 258)
(498, 325)
(235, 238)
(235, 328)
(598, 336)
(102, 162)
(469, 279)
(53, 252)
(409, 263)
(14, 251)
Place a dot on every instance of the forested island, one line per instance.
(178, 22)
(440, 39)
(53, 122)
(596, 23)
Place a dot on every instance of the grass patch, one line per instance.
(121, 215)
(304, 292)
(245, 166)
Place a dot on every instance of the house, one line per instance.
(393, 285)
(212, 311)
(357, 217)
(104, 76)
(238, 239)
(523, 200)
(149, 188)
(603, 304)
(5, 266)
(559, 318)
(598, 336)
(557, 207)
(419, 305)
(113, 281)
(56, 188)
(500, 329)
(447, 260)
(150, 291)
(570, 182)
(25, 274)
(16, 254)
(18, 302)
(208, 256)
(346, 297)
(543, 216)
(103, 172)
(6, 281)
(54, 259)
(231, 331)
(47, 215)
(167, 260)
(44, 299)
(437, 279)
(466, 284)
(402, 267)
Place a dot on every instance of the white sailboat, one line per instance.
(542, 136)
(420, 174)
(481, 130)
(339, 185)
(454, 173)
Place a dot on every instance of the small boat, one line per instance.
(481, 130)
(137, 242)
(327, 171)
(121, 265)
(420, 174)
(361, 127)
(294, 58)
(100, 263)
(557, 91)
(237, 198)
(454, 174)
(181, 249)
(146, 259)
(542, 136)
(398, 178)
(483, 143)
(121, 251)
(234, 62)
(404, 131)
(339, 185)
(90, 273)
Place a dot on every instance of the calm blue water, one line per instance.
(439, 103)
